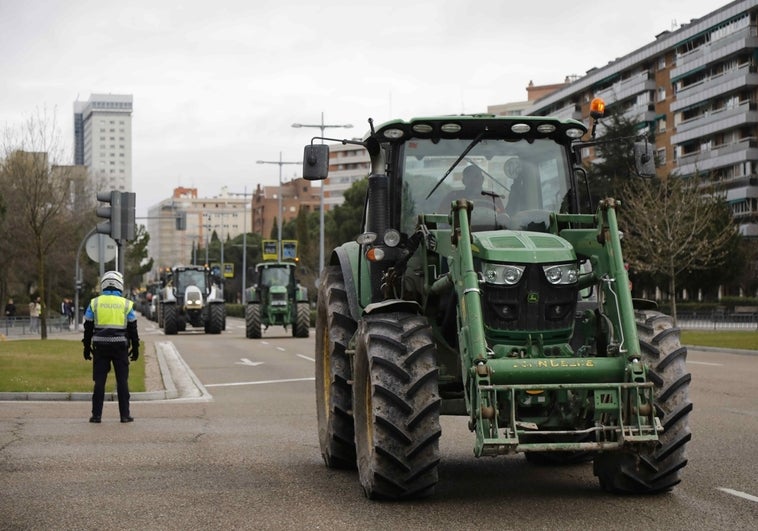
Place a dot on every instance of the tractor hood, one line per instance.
(521, 247)
(193, 298)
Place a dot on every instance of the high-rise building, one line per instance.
(103, 140)
(696, 90)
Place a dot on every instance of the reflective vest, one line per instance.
(110, 313)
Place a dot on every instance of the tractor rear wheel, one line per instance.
(253, 320)
(334, 328)
(658, 469)
(396, 405)
(170, 324)
(303, 320)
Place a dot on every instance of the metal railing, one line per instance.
(24, 326)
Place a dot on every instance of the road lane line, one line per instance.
(281, 349)
(704, 363)
(305, 357)
(739, 494)
(235, 384)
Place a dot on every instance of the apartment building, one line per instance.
(694, 88)
(348, 163)
(103, 140)
(199, 218)
(296, 194)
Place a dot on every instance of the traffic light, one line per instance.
(111, 227)
(128, 221)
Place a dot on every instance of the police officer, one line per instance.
(110, 327)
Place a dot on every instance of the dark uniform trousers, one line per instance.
(102, 358)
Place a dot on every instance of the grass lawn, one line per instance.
(746, 340)
(55, 365)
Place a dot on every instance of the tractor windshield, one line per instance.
(275, 276)
(190, 278)
(512, 184)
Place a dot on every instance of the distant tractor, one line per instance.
(190, 295)
(276, 298)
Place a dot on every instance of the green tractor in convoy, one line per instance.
(190, 295)
(276, 298)
(509, 305)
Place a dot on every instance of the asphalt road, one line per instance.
(245, 456)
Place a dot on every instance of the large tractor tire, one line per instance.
(658, 469)
(396, 406)
(215, 322)
(253, 320)
(334, 328)
(303, 321)
(170, 319)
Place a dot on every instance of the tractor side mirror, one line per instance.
(316, 162)
(644, 159)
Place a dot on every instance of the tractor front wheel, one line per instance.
(170, 319)
(658, 469)
(253, 320)
(303, 320)
(396, 405)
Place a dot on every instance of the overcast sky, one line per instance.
(217, 84)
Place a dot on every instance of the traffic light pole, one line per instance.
(78, 278)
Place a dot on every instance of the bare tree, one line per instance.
(672, 225)
(39, 196)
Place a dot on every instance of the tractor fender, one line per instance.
(392, 305)
(347, 256)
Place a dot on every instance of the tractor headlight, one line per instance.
(502, 273)
(561, 273)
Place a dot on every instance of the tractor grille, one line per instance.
(532, 304)
(278, 299)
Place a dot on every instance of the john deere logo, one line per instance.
(533, 298)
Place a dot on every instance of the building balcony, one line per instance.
(714, 116)
(569, 112)
(641, 113)
(715, 86)
(627, 88)
(728, 155)
(706, 127)
(745, 39)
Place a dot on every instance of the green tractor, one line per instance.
(276, 298)
(508, 304)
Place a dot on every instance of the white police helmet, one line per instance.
(112, 280)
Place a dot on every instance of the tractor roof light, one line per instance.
(394, 134)
(574, 133)
(597, 108)
(521, 128)
(450, 128)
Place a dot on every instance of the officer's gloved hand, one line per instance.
(134, 354)
(87, 353)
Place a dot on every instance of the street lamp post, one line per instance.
(244, 245)
(322, 126)
(279, 195)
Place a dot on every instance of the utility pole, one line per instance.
(279, 196)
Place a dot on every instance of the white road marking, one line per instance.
(235, 384)
(305, 357)
(704, 363)
(281, 349)
(245, 361)
(739, 494)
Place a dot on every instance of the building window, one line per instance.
(661, 62)
(661, 93)
(662, 125)
(660, 155)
